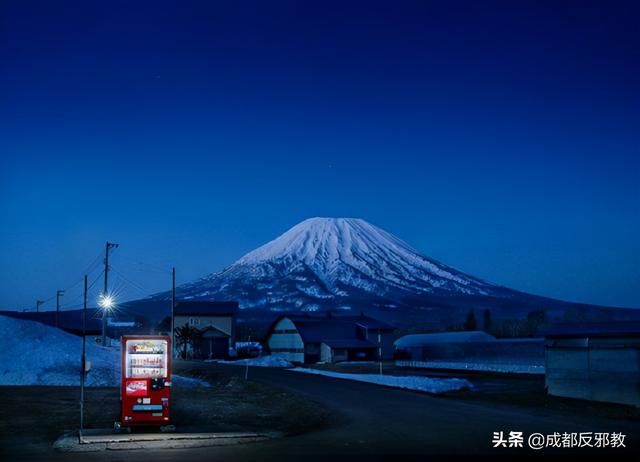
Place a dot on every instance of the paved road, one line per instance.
(381, 421)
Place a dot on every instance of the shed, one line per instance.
(594, 361)
(333, 351)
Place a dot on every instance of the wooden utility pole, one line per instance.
(105, 292)
(59, 294)
(246, 370)
(83, 363)
(173, 306)
(380, 348)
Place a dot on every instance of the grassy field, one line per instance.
(32, 417)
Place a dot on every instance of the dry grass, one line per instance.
(32, 417)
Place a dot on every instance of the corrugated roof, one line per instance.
(349, 343)
(314, 331)
(363, 320)
(203, 308)
(416, 340)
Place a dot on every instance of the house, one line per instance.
(594, 361)
(216, 322)
(309, 339)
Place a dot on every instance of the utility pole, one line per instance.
(173, 306)
(39, 303)
(59, 294)
(380, 348)
(83, 364)
(246, 370)
(105, 292)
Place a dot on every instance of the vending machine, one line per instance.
(146, 380)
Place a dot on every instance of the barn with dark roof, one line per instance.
(310, 339)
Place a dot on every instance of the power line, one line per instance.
(145, 266)
(92, 266)
(70, 305)
(132, 283)
(94, 263)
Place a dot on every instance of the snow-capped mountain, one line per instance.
(332, 263)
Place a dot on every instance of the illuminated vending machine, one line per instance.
(146, 380)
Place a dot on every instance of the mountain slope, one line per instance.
(334, 262)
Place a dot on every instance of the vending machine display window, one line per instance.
(146, 359)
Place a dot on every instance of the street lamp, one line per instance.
(106, 302)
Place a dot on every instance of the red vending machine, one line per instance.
(146, 380)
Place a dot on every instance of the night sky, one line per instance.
(500, 138)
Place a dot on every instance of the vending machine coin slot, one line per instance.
(157, 384)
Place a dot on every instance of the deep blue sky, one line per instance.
(500, 138)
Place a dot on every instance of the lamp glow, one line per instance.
(106, 302)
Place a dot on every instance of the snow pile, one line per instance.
(354, 363)
(32, 353)
(262, 361)
(475, 366)
(426, 384)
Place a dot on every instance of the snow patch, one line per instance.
(426, 384)
(32, 353)
(475, 366)
(262, 361)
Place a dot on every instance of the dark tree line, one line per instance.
(532, 325)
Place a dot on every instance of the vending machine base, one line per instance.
(119, 428)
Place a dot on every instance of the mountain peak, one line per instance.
(324, 240)
(333, 262)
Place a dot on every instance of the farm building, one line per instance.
(310, 339)
(215, 320)
(440, 344)
(595, 361)
(471, 347)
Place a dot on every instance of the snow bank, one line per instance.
(32, 353)
(426, 384)
(475, 366)
(262, 361)
(354, 363)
